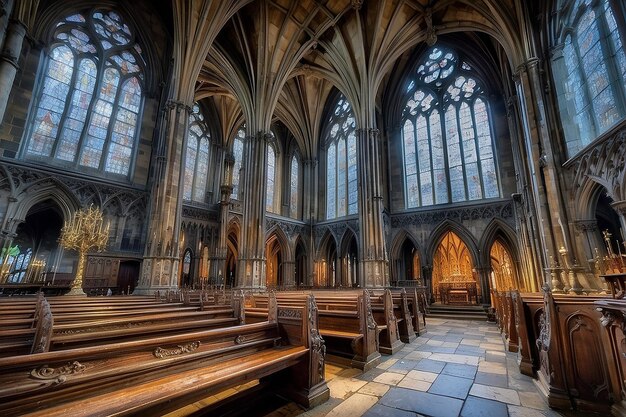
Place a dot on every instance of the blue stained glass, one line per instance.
(342, 203)
(52, 102)
(452, 138)
(271, 167)
(473, 181)
(412, 191)
(423, 149)
(331, 188)
(83, 92)
(85, 104)
(352, 174)
(467, 132)
(202, 171)
(293, 192)
(238, 154)
(190, 165)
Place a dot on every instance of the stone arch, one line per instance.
(497, 229)
(41, 191)
(399, 266)
(439, 232)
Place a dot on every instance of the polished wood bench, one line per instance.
(346, 324)
(154, 375)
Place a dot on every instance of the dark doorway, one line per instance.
(300, 264)
(127, 277)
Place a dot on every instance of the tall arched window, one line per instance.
(447, 140)
(271, 177)
(589, 68)
(341, 169)
(238, 154)
(294, 197)
(197, 159)
(87, 109)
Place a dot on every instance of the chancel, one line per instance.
(338, 207)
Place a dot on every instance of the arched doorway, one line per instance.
(330, 264)
(35, 250)
(186, 279)
(230, 271)
(301, 260)
(409, 267)
(274, 262)
(503, 276)
(454, 277)
(350, 263)
(608, 225)
(127, 276)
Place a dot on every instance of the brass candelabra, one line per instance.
(84, 232)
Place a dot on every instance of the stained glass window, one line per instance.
(589, 71)
(88, 106)
(271, 178)
(197, 158)
(446, 135)
(293, 188)
(238, 153)
(341, 165)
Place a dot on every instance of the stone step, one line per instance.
(459, 312)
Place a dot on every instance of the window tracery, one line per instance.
(238, 154)
(447, 141)
(197, 158)
(341, 168)
(88, 107)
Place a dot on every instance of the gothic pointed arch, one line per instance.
(438, 233)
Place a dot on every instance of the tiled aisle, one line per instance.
(457, 368)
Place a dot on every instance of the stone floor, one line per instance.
(458, 368)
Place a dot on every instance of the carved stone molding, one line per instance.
(502, 210)
(604, 162)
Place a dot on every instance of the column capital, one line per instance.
(179, 106)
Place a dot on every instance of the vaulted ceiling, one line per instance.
(281, 59)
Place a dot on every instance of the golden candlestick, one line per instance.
(84, 232)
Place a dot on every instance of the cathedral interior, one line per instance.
(471, 153)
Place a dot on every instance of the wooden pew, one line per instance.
(417, 307)
(155, 375)
(614, 322)
(346, 323)
(406, 310)
(386, 323)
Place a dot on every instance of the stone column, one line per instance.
(620, 208)
(484, 275)
(162, 258)
(6, 7)
(251, 270)
(545, 194)
(288, 271)
(218, 261)
(374, 266)
(9, 61)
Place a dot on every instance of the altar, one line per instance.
(458, 290)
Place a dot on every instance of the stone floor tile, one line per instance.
(532, 400)
(504, 395)
(450, 345)
(423, 376)
(441, 349)
(492, 346)
(494, 356)
(493, 380)
(355, 406)
(386, 364)
(374, 388)
(422, 402)
(371, 374)
(430, 365)
(343, 387)
(451, 386)
(470, 342)
(417, 355)
(459, 369)
(492, 368)
(414, 384)
(383, 411)
(517, 411)
(454, 358)
(402, 366)
(389, 378)
(481, 407)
